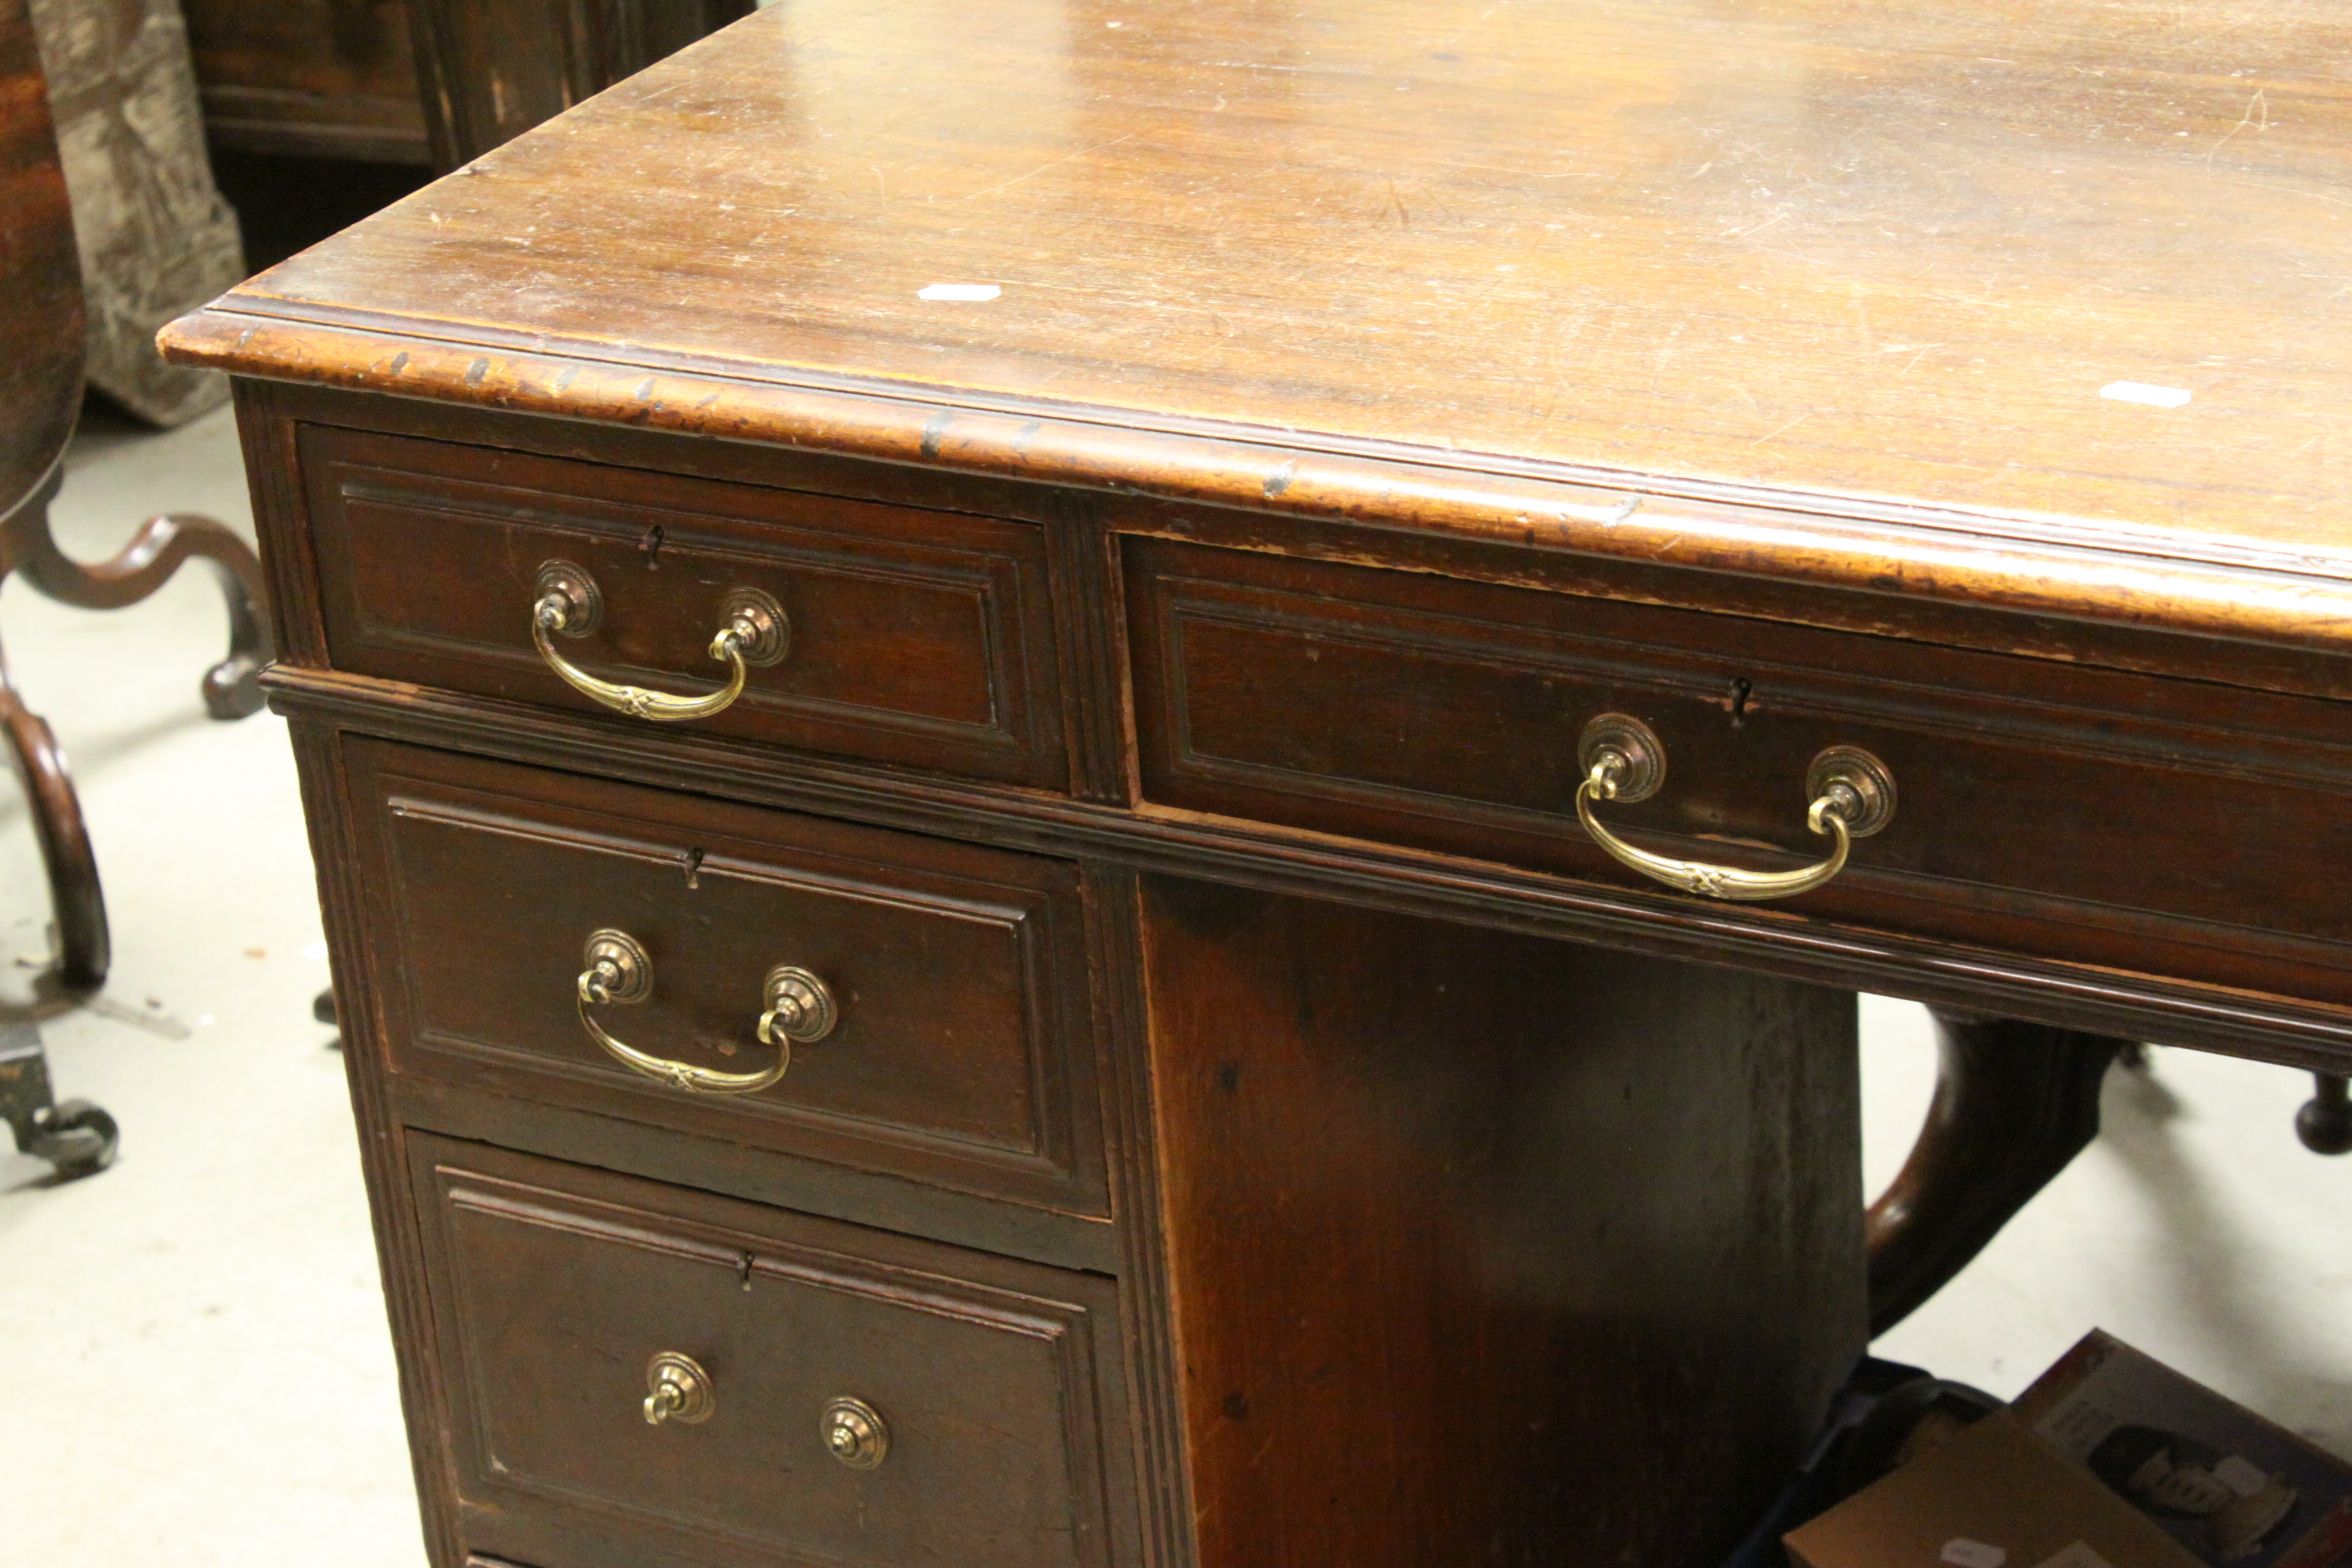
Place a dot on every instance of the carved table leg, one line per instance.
(160, 548)
(2014, 1104)
(83, 945)
(232, 687)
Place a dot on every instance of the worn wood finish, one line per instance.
(920, 637)
(961, 1055)
(998, 1382)
(1322, 490)
(1856, 262)
(1567, 1241)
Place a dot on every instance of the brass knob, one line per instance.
(677, 1389)
(855, 1433)
(800, 1007)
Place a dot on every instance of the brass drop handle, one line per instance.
(619, 972)
(753, 630)
(854, 1433)
(1851, 795)
(678, 1389)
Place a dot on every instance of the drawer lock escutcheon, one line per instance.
(753, 631)
(619, 972)
(855, 1433)
(678, 1389)
(1851, 794)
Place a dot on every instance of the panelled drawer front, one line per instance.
(961, 1056)
(554, 1288)
(2118, 819)
(916, 637)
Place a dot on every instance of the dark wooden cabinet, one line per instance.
(489, 70)
(1271, 1084)
(324, 78)
(420, 81)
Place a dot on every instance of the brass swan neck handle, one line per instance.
(619, 972)
(753, 632)
(1850, 793)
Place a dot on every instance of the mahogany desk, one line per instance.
(1137, 531)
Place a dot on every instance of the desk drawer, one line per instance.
(986, 1418)
(2110, 818)
(903, 635)
(960, 1048)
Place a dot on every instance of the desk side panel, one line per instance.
(1487, 1249)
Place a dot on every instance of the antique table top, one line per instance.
(2043, 307)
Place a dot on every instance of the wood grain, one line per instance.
(1829, 255)
(1485, 1250)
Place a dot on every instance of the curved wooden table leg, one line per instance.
(2014, 1104)
(160, 548)
(84, 946)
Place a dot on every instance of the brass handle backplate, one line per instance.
(753, 632)
(678, 1389)
(855, 1433)
(618, 972)
(1851, 795)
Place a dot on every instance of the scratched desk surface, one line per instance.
(2082, 267)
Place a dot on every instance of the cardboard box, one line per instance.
(2232, 1489)
(1992, 1497)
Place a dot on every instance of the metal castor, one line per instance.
(77, 1137)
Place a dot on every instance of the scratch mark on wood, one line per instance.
(1051, 163)
(2260, 105)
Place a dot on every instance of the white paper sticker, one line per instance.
(2142, 392)
(2241, 1476)
(2079, 1555)
(970, 293)
(1961, 1552)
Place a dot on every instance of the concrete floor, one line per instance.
(193, 1343)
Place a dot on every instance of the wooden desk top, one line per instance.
(2046, 306)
